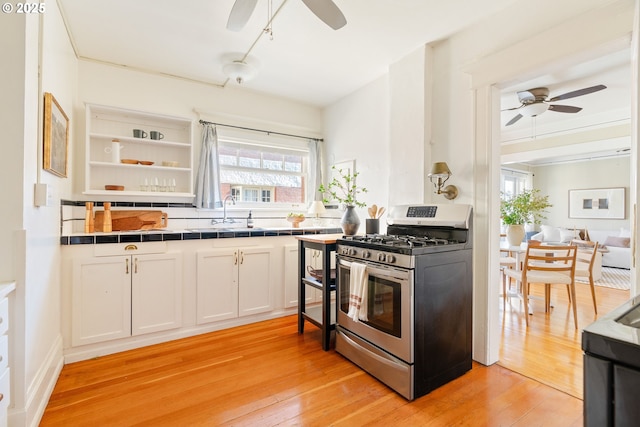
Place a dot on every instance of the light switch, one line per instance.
(42, 196)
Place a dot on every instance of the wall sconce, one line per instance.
(316, 208)
(440, 173)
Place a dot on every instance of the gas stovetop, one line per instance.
(379, 241)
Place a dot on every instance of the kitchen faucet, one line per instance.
(224, 214)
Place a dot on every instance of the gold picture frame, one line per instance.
(56, 137)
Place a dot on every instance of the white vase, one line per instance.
(515, 234)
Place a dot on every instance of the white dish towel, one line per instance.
(358, 285)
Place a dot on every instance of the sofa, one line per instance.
(615, 244)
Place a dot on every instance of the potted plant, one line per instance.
(527, 207)
(343, 188)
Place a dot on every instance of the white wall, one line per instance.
(556, 181)
(31, 234)
(357, 128)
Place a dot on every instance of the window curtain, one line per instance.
(208, 178)
(315, 170)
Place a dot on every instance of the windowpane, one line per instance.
(249, 158)
(256, 173)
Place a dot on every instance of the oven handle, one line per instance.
(374, 352)
(380, 271)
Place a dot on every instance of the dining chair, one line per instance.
(585, 259)
(547, 265)
(507, 262)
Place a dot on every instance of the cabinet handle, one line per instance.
(135, 267)
(126, 270)
(241, 257)
(235, 258)
(131, 248)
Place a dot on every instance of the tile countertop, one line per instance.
(190, 234)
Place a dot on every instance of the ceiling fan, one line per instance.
(326, 10)
(534, 102)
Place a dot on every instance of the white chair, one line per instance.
(507, 262)
(585, 259)
(547, 265)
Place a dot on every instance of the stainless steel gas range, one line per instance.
(404, 298)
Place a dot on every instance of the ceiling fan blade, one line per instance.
(515, 119)
(328, 12)
(240, 14)
(580, 92)
(564, 108)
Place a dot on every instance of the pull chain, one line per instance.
(269, 28)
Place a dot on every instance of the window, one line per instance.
(260, 169)
(514, 182)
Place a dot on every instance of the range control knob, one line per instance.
(391, 259)
(366, 254)
(381, 257)
(352, 252)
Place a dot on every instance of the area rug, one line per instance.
(617, 278)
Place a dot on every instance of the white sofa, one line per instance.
(615, 243)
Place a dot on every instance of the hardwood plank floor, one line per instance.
(266, 374)
(550, 350)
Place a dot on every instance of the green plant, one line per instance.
(526, 207)
(343, 189)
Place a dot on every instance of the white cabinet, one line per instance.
(233, 282)
(120, 296)
(106, 124)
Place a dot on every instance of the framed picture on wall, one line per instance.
(56, 137)
(595, 203)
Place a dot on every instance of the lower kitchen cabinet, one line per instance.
(121, 296)
(233, 282)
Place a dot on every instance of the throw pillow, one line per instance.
(551, 234)
(566, 235)
(617, 242)
(624, 232)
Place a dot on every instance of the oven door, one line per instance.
(389, 309)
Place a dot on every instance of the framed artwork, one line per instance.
(597, 203)
(56, 137)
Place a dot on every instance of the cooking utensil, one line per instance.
(381, 211)
(370, 210)
(374, 209)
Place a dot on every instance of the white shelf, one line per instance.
(105, 124)
(138, 193)
(147, 167)
(130, 139)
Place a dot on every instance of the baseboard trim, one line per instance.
(40, 390)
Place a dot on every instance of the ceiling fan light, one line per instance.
(534, 109)
(239, 71)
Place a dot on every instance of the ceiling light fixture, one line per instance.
(239, 70)
(534, 109)
(440, 172)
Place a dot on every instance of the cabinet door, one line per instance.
(156, 293)
(255, 280)
(217, 285)
(101, 299)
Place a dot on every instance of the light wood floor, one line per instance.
(550, 350)
(266, 374)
